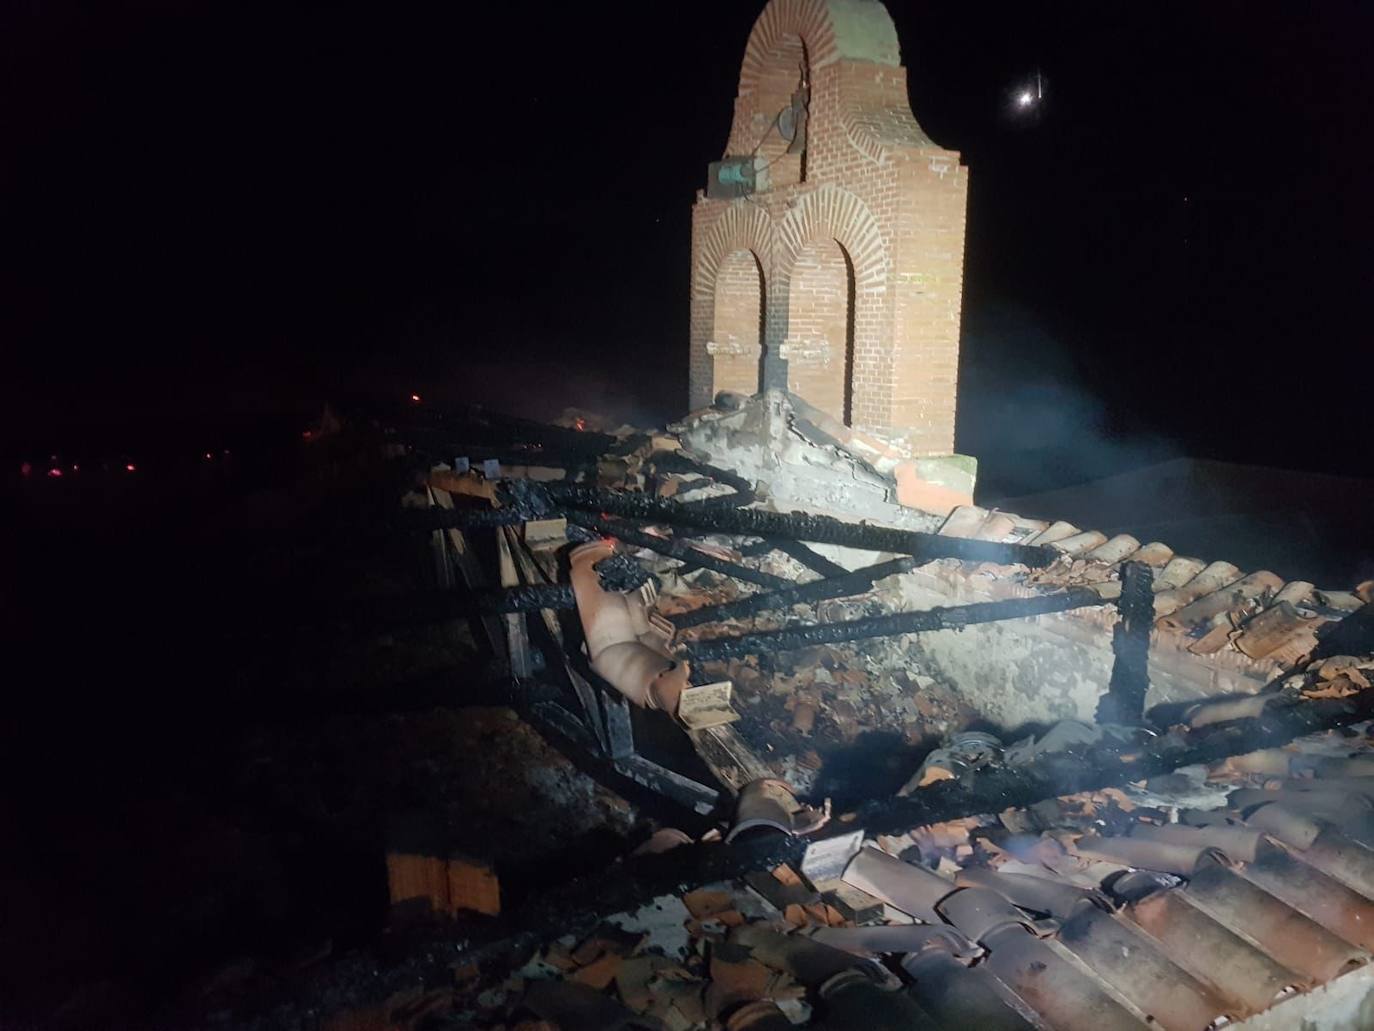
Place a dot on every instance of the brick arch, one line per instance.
(836, 214)
(743, 226)
(831, 30)
(824, 215)
(792, 40)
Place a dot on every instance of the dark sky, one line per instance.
(227, 207)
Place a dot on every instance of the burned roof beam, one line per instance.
(845, 585)
(546, 497)
(427, 519)
(1124, 701)
(817, 563)
(529, 598)
(677, 462)
(576, 905)
(674, 549)
(952, 617)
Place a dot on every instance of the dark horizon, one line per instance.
(223, 210)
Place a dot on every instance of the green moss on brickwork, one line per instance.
(958, 472)
(864, 31)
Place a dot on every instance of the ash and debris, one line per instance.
(693, 961)
(840, 724)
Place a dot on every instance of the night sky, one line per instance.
(234, 209)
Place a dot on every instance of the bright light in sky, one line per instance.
(1026, 98)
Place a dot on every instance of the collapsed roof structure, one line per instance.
(1132, 749)
(932, 765)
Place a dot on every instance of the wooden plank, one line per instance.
(517, 633)
(728, 757)
(471, 572)
(531, 573)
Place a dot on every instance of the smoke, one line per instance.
(1028, 415)
(1039, 430)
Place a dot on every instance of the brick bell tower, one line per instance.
(828, 246)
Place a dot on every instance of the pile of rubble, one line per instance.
(832, 687)
(1186, 901)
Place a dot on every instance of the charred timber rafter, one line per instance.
(577, 905)
(620, 572)
(1124, 701)
(674, 549)
(530, 598)
(952, 617)
(677, 462)
(809, 558)
(842, 586)
(426, 519)
(547, 497)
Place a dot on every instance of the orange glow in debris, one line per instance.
(580, 423)
(415, 398)
(54, 472)
(129, 467)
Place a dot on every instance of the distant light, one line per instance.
(54, 472)
(26, 469)
(415, 398)
(76, 468)
(209, 456)
(1025, 99)
(129, 467)
(307, 434)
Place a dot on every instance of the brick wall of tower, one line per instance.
(860, 244)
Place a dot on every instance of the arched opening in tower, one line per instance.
(780, 103)
(820, 328)
(738, 325)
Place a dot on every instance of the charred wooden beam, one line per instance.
(425, 519)
(530, 598)
(618, 573)
(1353, 635)
(844, 585)
(576, 905)
(1124, 701)
(677, 462)
(808, 557)
(543, 498)
(680, 550)
(950, 618)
